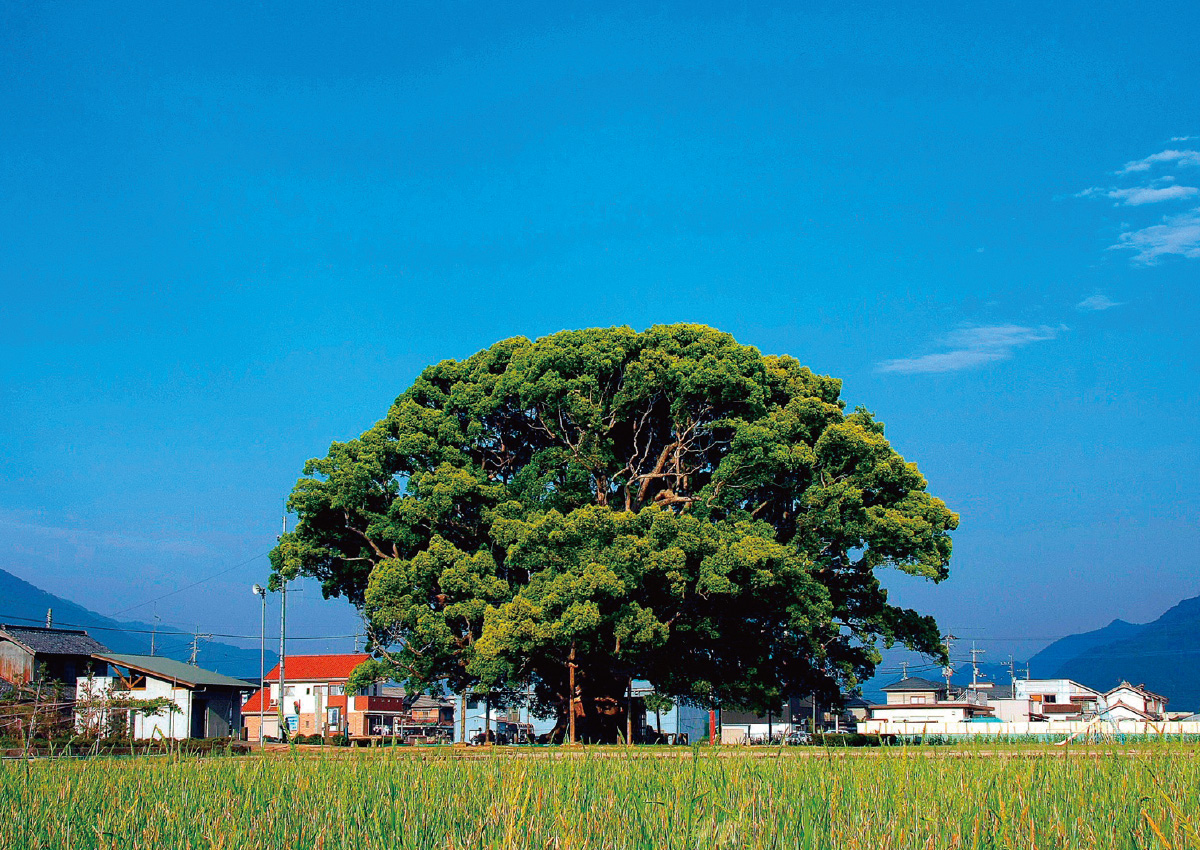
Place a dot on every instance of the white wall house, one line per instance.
(1133, 702)
(1014, 710)
(208, 704)
(1059, 699)
(914, 704)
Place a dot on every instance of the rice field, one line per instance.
(996, 797)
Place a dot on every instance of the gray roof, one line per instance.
(172, 670)
(43, 641)
(414, 701)
(914, 683)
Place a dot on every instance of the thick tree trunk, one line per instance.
(598, 720)
(597, 713)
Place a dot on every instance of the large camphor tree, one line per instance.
(605, 505)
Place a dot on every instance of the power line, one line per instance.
(193, 584)
(9, 617)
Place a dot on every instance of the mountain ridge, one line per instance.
(23, 603)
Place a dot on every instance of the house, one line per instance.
(1058, 699)
(315, 702)
(314, 697)
(29, 653)
(855, 711)
(1133, 702)
(915, 701)
(1010, 708)
(206, 704)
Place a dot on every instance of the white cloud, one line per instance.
(1178, 234)
(972, 347)
(1097, 302)
(1180, 157)
(1139, 195)
(1182, 138)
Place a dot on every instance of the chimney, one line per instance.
(49, 618)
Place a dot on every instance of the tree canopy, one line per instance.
(666, 505)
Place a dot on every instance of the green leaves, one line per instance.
(670, 504)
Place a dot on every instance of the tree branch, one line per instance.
(374, 546)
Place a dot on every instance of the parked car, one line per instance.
(797, 738)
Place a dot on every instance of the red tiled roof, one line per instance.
(254, 705)
(318, 668)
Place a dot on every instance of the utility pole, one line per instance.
(196, 635)
(154, 634)
(975, 653)
(948, 670)
(571, 688)
(282, 634)
(903, 670)
(1012, 672)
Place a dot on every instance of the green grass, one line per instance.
(993, 796)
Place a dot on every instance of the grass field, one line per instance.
(1027, 797)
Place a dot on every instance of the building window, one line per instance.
(337, 690)
(917, 700)
(1050, 698)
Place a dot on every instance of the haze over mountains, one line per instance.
(1162, 655)
(21, 603)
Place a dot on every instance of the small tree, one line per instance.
(658, 703)
(107, 711)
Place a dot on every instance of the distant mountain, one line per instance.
(1164, 655)
(21, 603)
(1050, 660)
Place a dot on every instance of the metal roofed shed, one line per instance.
(171, 670)
(208, 703)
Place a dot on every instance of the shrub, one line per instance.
(847, 739)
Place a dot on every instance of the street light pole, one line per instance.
(259, 590)
(282, 653)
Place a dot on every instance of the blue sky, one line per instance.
(233, 235)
